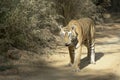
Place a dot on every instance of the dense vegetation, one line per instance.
(32, 24)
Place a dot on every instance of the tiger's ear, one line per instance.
(73, 27)
(60, 27)
(73, 30)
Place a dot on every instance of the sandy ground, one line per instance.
(53, 66)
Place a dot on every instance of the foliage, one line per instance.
(75, 9)
(23, 22)
(32, 24)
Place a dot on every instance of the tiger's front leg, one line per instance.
(71, 54)
(77, 57)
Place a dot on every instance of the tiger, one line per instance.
(75, 34)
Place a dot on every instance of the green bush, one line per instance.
(32, 24)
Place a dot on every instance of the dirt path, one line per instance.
(107, 65)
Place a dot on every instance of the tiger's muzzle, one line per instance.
(67, 44)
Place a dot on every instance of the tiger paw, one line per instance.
(69, 64)
(77, 69)
(92, 62)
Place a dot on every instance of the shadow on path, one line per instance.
(85, 62)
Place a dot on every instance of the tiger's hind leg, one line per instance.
(86, 43)
(92, 45)
(92, 52)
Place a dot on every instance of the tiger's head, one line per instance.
(68, 35)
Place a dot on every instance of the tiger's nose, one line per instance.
(66, 44)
